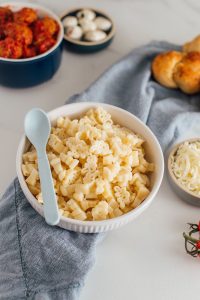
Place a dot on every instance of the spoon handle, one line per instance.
(51, 212)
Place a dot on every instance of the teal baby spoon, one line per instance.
(37, 129)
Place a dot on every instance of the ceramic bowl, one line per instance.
(179, 189)
(124, 118)
(84, 46)
(35, 70)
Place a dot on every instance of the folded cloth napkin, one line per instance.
(42, 262)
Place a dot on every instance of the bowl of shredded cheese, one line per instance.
(107, 166)
(184, 170)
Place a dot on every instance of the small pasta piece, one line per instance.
(60, 122)
(51, 156)
(135, 157)
(66, 123)
(90, 165)
(113, 203)
(117, 212)
(90, 177)
(67, 191)
(27, 169)
(108, 191)
(79, 197)
(109, 159)
(91, 115)
(56, 164)
(83, 188)
(69, 160)
(66, 213)
(108, 174)
(122, 196)
(100, 211)
(127, 209)
(142, 194)
(102, 116)
(123, 177)
(33, 177)
(56, 144)
(99, 186)
(71, 176)
(142, 178)
(30, 156)
(72, 127)
(35, 190)
(91, 195)
(78, 148)
(76, 211)
(87, 204)
(100, 148)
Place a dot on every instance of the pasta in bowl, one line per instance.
(106, 165)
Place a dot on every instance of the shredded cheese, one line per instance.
(186, 166)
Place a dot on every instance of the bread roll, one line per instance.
(194, 45)
(163, 67)
(187, 73)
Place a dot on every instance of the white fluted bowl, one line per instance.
(124, 118)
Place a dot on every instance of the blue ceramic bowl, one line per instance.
(82, 46)
(28, 72)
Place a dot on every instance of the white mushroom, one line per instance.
(70, 21)
(95, 36)
(87, 25)
(103, 23)
(75, 32)
(87, 14)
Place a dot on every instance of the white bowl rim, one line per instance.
(49, 12)
(136, 211)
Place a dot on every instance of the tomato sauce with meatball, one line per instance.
(23, 34)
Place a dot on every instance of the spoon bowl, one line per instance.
(37, 129)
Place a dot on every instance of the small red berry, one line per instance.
(199, 226)
(198, 244)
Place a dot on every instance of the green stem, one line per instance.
(187, 237)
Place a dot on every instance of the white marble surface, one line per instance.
(145, 259)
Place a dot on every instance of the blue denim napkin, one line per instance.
(42, 262)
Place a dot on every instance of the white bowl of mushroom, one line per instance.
(87, 29)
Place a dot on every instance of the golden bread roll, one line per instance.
(163, 67)
(194, 45)
(187, 73)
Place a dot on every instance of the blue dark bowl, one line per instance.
(82, 46)
(20, 73)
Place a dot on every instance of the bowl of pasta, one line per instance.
(106, 164)
(30, 44)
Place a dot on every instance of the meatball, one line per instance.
(29, 51)
(19, 32)
(44, 42)
(25, 15)
(46, 25)
(9, 48)
(2, 34)
(6, 15)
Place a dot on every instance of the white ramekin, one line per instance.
(178, 188)
(124, 118)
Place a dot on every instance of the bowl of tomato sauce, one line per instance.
(30, 44)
